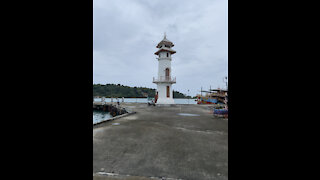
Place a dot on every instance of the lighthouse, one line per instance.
(164, 81)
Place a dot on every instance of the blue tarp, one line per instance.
(220, 111)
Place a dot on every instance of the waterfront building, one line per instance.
(164, 81)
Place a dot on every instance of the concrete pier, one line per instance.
(175, 142)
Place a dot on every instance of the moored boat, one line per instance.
(213, 96)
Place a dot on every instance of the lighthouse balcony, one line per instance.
(164, 79)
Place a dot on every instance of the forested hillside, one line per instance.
(113, 90)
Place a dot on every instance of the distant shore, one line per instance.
(138, 97)
(118, 90)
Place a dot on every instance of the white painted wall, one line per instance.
(162, 94)
(163, 64)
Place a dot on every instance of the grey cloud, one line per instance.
(127, 31)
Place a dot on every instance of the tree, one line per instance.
(113, 90)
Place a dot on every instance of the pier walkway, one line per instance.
(177, 142)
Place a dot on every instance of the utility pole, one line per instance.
(226, 81)
(188, 96)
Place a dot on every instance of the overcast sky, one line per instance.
(126, 33)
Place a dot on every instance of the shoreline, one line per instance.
(102, 123)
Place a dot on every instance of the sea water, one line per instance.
(145, 100)
(99, 116)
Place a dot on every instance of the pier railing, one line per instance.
(167, 79)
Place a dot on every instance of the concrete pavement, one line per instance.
(178, 142)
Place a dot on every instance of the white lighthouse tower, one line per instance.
(164, 81)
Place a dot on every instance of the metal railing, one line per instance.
(164, 79)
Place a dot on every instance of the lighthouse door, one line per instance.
(168, 91)
(167, 74)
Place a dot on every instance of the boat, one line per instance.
(206, 100)
(222, 111)
(213, 96)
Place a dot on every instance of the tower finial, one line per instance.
(165, 35)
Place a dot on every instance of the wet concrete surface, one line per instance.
(159, 142)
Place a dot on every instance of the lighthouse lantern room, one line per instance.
(164, 81)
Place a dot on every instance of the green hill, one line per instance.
(117, 90)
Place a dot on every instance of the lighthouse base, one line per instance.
(165, 101)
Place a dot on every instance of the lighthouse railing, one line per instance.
(164, 79)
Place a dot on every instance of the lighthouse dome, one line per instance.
(165, 42)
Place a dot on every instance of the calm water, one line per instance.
(145, 100)
(99, 115)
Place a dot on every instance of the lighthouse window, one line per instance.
(167, 54)
(167, 72)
